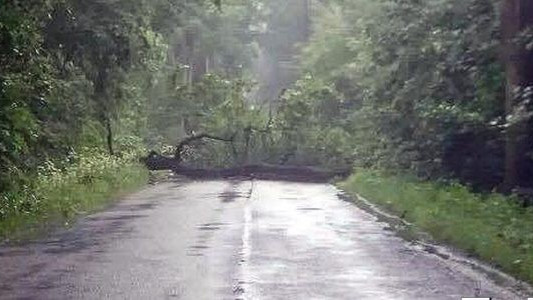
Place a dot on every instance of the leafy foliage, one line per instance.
(401, 85)
(61, 191)
(79, 75)
(491, 226)
(422, 84)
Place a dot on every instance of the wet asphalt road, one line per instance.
(233, 240)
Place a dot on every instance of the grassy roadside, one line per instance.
(492, 227)
(57, 197)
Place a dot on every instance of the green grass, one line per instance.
(58, 197)
(492, 227)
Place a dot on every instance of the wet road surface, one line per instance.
(233, 240)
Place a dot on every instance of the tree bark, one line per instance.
(516, 16)
(109, 137)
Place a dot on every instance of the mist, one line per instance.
(421, 109)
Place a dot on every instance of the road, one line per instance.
(233, 240)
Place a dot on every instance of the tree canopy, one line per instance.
(438, 88)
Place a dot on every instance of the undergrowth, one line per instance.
(56, 195)
(493, 227)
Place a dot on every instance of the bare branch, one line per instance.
(196, 137)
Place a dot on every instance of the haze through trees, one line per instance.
(438, 88)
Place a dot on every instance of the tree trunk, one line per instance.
(247, 138)
(109, 137)
(261, 171)
(516, 15)
(190, 40)
(102, 87)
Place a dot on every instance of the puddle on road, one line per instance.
(138, 207)
(14, 252)
(196, 250)
(232, 193)
(208, 196)
(117, 218)
(145, 206)
(229, 196)
(216, 224)
(207, 230)
(199, 247)
(195, 254)
(309, 208)
(211, 226)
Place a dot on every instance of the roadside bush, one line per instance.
(490, 226)
(57, 194)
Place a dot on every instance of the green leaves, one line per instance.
(413, 78)
(68, 65)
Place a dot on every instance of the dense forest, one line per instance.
(91, 86)
(439, 89)
(88, 86)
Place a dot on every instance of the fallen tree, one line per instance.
(155, 161)
(196, 137)
(257, 171)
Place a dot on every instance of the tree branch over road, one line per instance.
(187, 141)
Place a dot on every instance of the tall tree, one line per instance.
(516, 18)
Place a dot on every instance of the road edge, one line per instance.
(424, 242)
